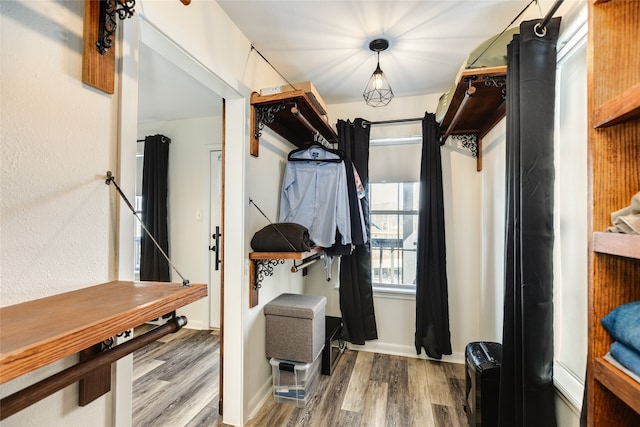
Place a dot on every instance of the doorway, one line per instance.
(174, 104)
(179, 105)
(144, 32)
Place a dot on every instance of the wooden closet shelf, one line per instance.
(476, 109)
(274, 111)
(263, 263)
(620, 109)
(284, 255)
(626, 245)
(625, 387)
(485, 108)
(42, 331)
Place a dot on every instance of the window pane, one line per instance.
(384, 196)
(394, 226)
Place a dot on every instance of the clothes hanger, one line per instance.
(339, 153)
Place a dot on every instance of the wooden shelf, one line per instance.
(39, 332)
(274, 111)
(479, 112)
(626, 245)
(625, 387)
(479, 115)
(622, 108)
(262, 264)
(283, 255)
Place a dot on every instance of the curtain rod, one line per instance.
(549, 15)
(384, 122)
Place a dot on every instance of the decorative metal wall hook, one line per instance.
(107, 23)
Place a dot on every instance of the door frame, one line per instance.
(138, 29)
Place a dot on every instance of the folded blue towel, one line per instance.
(627, 357)
(623, 323)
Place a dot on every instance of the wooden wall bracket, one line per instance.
(98, 70)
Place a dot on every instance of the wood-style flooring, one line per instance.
(176, 384)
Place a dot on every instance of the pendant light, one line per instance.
(378, 92)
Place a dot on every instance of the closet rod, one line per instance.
(38, 391)
(547, 18)
(305, 263)
(467, 96)
(317, 136)
(384, 122)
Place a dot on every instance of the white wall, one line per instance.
(58, 218)
(492, 235)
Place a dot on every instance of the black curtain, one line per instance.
(153, 265)
(526, 381)
(356, 291)
(432, 298)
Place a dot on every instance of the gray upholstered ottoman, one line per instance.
(295, 327)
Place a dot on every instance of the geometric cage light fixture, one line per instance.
(378, 92)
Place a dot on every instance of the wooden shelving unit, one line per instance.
(39, 332)
(275, 112)
(613, 398)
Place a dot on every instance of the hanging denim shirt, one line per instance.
(314, 194)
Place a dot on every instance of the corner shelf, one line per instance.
(262, 264)
(477, 111)
(42, 331)
(275, 112)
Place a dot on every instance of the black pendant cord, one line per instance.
(111, 179)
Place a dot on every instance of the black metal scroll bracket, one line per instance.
(264, 268)
(499, 82)
(266, 114)
(109, 9)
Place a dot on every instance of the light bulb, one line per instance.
(377, 81)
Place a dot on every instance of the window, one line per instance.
(394, 232)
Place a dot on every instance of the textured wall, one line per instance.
(57, 139)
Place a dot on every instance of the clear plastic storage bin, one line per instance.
(293, 382)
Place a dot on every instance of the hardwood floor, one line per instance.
(176, 384)
(176, 380)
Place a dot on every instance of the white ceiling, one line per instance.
(327, 42)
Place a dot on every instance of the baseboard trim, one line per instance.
(404, 350)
